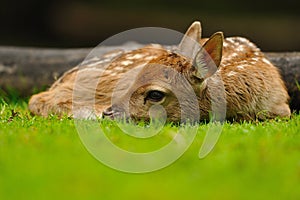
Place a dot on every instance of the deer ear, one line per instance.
(190, 41)
(208, 58)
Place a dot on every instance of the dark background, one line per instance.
(272, 25)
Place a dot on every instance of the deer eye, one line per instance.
(155, 95)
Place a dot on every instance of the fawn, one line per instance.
(252, 86)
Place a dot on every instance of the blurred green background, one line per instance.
(272, 25)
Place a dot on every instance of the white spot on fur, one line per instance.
(243, 40)
(231, 73)
(113, 54)
(231, 40)
(97, 63)
(136, 56)
(91, 60)
(91, 70)
(233, 55)
(266, 61)
(95, 58)
(158, 46)
(240, 48)
(126, 62)
(250, 44)
(119, 68)
(246, 42)
(149, 57)
(240, 67)
(240, 41)
(225, 44)
(256, 53)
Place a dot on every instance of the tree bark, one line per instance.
(27, 70)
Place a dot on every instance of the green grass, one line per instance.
(45, 159)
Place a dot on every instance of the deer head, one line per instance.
(172, 80)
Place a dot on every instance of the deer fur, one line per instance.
(252, 84)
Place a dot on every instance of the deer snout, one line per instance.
(108, 112)
(114, 112)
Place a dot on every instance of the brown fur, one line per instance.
(253, 86)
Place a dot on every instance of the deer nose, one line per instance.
(114, 112)
(108, 112)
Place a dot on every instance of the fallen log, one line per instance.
(30, 69)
